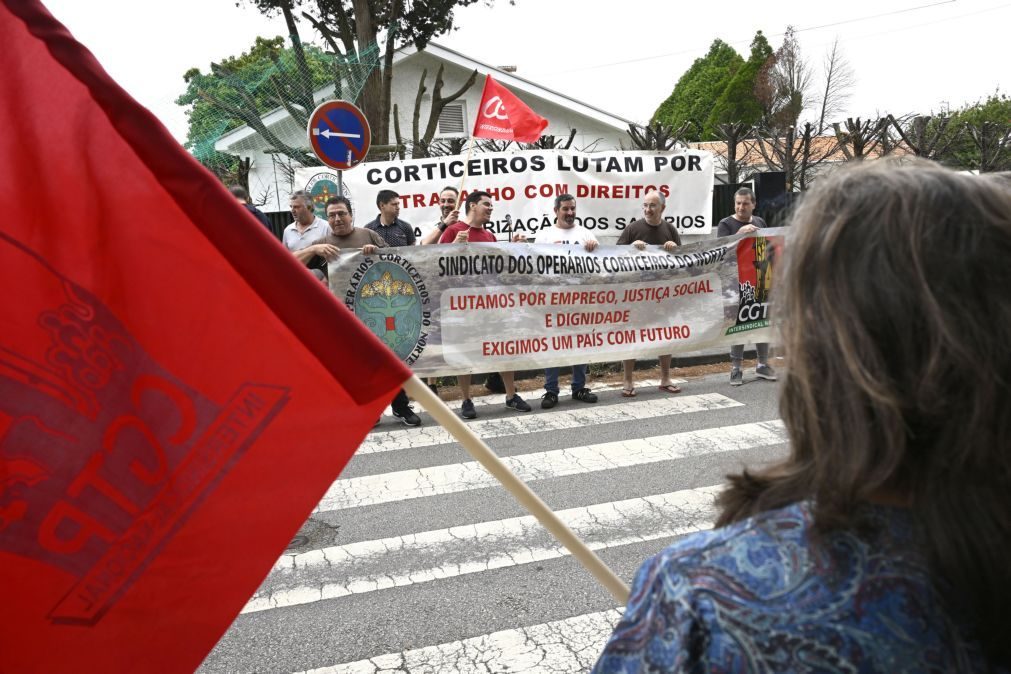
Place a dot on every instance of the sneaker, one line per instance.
(548, 400)
(406, 414)
(765, 372)
(585, 395)
(518, 404)
(736, 376)
(467, 410)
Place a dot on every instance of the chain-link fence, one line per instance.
(275, 76)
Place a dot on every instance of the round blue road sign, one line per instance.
(339, 134)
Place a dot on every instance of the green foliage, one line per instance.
(737, 102)
(697, 90)
(256, 78)
(989, 121)
(783, 85)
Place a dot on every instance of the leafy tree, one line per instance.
(239, 90)
(783, 84)
(981, 135)
(353, 30)
(737, 103)
(696, 90)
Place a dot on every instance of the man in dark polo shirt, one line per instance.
(395, 232)
(744, 221)
(651, 230)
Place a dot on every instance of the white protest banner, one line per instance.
(452, 309)
(609, 187)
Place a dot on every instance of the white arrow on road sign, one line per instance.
(327, 133)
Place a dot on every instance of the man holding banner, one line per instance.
(478, 209)
(565, 231)
(743, 221)
(652, 229)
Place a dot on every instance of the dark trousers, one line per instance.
(401, 401)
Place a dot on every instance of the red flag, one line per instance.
(503, 116)
(176, 392)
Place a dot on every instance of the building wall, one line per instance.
(591, 135)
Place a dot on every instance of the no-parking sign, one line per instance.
(339, 134)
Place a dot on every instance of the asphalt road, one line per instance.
(415, 561)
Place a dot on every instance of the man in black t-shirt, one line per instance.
(744, 221)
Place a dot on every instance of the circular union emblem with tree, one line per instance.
(388, 303)
(321, 187)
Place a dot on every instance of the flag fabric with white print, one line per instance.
(162, 360)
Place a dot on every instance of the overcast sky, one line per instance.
(623, 57)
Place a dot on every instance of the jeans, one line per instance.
(551, 378)
(737, 354)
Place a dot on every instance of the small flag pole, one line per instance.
(466, 163)
(434, 405)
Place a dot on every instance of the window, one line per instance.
(453, 120)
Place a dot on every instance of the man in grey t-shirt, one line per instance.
(343, 233)
(744, 221)
(652, 229)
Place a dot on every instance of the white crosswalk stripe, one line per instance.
(519, 424)
(570, 645)
(393, 562)
(418, 483)
(388, 558)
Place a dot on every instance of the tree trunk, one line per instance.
(382, 134)
(303, 86)
(370, 99)
(789, 159)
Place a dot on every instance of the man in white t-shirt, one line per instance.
(566, 231)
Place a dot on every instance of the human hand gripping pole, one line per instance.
(418, 390)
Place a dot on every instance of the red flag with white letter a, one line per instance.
(503, 116)
(176, 391)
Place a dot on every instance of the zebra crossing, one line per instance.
(428, 566)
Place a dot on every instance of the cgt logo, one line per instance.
(104, 454)
(495, 109)
(757, 258)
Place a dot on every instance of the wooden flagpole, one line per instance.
(434, 405)
(466, 162)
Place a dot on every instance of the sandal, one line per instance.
(628, 393)
(670, 388)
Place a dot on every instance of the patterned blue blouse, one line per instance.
(755, 596)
